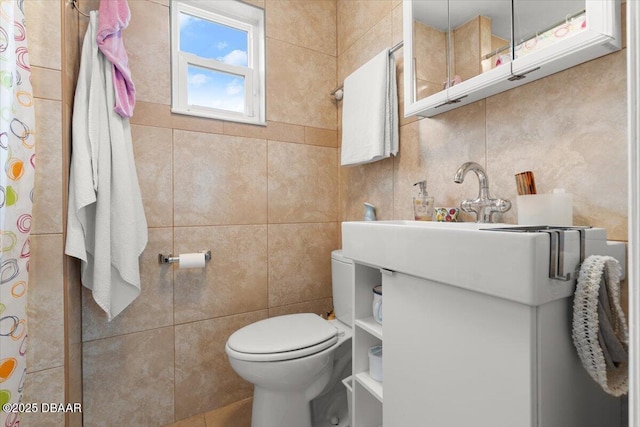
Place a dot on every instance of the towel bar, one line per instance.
(556, 247)
(337, 91)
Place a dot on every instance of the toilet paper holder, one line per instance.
(163, 259)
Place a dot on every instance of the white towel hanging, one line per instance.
(370, 112)
(106, 227)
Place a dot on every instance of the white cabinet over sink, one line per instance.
(460, 51)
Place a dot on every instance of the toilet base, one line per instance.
(284, 390)
(280, 409)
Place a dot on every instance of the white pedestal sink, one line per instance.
(476, 333)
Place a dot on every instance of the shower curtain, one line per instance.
(17, 158)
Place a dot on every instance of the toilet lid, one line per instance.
(283, 337)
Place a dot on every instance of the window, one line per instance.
(218, 60)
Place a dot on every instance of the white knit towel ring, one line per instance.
(586, 324)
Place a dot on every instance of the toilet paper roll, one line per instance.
(191, 260)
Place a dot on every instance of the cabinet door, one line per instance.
(460, 51)
(453, 357)
(426, 59)
(480, 51)
(550, 39)
(456, 52)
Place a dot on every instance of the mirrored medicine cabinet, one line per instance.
(459, 51)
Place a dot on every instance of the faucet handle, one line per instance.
(495, 206)
(485, 208)
(469, 206)
(502, 205)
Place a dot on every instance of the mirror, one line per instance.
(481, 37)
(538, 26)
(460, 51)
(431, 45)
(478, 42)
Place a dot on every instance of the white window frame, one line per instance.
(233, 14)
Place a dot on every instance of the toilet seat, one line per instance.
(282, 338)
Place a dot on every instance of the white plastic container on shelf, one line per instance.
(375, 362)
(545, 209)
(376, 306)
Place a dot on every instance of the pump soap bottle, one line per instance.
(423, 203)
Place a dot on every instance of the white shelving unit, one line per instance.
(367, 392)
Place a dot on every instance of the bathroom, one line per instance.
(268, 201)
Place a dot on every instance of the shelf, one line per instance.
(374, 387)
(371, 326)
(367, 392)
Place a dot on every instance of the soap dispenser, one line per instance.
(369, 212)
(423, 203)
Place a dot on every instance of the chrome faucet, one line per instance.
(484, 206)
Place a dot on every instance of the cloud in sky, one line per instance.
(235, 57)
(198, 79)
(213, 89)
(221, 45)
(234, 87)
(209, 100)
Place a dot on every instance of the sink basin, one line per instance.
(436, 225)
(510, 265)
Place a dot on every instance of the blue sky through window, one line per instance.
(210, 40)
(214, 89)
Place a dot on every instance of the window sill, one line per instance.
(222, 117)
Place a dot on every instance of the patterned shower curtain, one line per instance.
(17, 158)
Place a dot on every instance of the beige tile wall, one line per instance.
(263, 199)
(430, 59)
(45, 379)
(569, 128)
(471, 41)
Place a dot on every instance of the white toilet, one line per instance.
(290, 359)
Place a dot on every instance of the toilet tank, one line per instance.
(342, 276)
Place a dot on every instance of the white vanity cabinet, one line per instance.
(460, 51)
(477, 325)
(367, 392)
(457, 358)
